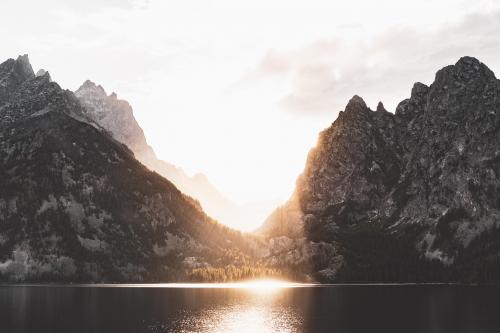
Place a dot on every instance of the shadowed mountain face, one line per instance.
(116, 116)
(410, 196)
(75, 205)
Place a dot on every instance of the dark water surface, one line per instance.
(344, 309)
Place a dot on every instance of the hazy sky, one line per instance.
(239, 90)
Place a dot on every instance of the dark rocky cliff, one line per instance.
(409, 196)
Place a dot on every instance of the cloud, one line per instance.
(322, 76)
(93, 5)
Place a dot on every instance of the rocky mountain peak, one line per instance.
(380, 107)
(89, 88)
(13, 73)
(43, 73)
(356, 103)
(410, 108)
(473, 65)
(23, 67)
(419, 90)
(114, 115)
(467, 71)
(88, 84)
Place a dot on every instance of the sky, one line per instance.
(239, 90)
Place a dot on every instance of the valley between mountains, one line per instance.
(405, 196)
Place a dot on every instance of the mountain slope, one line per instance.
(75, 205)
(410, 196)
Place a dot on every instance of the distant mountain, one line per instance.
(410, 196)
(75, 205)
(116, 116)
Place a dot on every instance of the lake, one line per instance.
(273, 308)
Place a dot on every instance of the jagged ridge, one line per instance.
(409, 196)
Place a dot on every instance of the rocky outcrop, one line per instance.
(13, 73)
(410, 196)
(116, 116)
(75, 205)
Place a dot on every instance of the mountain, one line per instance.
(404, 197)
(75, 204)
(116, 116)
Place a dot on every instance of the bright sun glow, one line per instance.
(261, 284)
(258, 285)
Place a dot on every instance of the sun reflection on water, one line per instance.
(254, 307)
(243, 319)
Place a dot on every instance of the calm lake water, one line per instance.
(302, 309)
